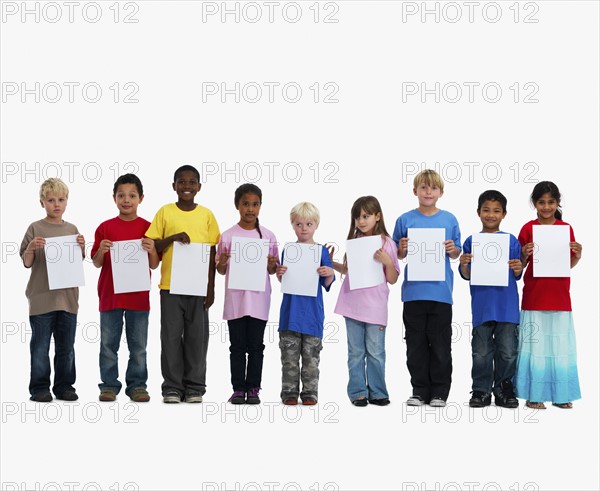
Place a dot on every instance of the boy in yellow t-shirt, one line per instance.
(184, 318)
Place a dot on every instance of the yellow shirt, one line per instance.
(200, 224)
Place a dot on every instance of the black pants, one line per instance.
(428, 326)
(246, 336)
(184, 342)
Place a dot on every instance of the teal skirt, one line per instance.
(547, 358)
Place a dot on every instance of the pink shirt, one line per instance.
(239, 303)
(368, 304)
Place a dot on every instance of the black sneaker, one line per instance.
(238, 397)
(380, 402)
(480, 399)
(41, 397)
(252, 396)
(505, 396)
(68, 395)
(362, 402)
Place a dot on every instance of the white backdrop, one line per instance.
(317, 101)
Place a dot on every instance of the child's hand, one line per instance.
(223, 259)
(81, 242)
(403, 247)
(325, 271)
(271, 264)
(331, 251)
(147, 244)
(516, 265)
(182, 237)
(105, 246)
(36, 243)
(465, 259)
(209, 299)
(281, 271)
(527, 250)
(383, 257)
(451, 250)
(576, 248)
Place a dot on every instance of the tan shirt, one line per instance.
(41, 299)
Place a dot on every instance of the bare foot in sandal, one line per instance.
(535, 405)
(563, 405)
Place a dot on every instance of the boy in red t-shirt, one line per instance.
(128, 193)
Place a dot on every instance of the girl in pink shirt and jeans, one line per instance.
(365, 309)
(245, 311)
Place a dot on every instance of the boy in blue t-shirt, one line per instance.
(495, 315)
(301, 318)
(427, 312)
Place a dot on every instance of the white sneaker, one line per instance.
(415, 401)
(437, 402)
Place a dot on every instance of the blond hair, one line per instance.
(430, 178)
(305, 210)
(55, 186)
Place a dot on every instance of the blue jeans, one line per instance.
(366, 360)
(494, 347)
(136, 331)
(61, 325)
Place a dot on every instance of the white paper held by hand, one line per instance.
(489, 266)
(302, 261)
(551, 253)
(426, 254)
(248, 264)
(364, 270)
(64, 262)
(189, 269)
(130, 268)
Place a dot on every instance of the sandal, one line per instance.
(535, 405)
(563, 405)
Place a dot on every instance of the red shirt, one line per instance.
(544, 293)
(117, 229)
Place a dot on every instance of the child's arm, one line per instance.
(402, 247)
(280, 271)
(222, 264)
(210, 290)
(150, 248)
(328, 273)
(81, 241)
(526, 251)
(391, 275)
(465, 271)
(517, 266)
(162, 244)
(29, 254)
(339, 267)
(271, 264)
(451, 250)
(576, 256)
(98, 258)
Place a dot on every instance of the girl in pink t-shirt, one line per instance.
(365, 309)
(246, 311)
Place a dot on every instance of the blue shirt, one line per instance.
(496, 303)
(303, 314)
(438, 291)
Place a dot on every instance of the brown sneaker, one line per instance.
(139, 395)
(107, 395)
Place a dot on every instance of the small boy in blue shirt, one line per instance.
(301, 318)
(495, 315)
(427, 312)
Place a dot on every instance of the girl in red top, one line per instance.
(547, 360)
